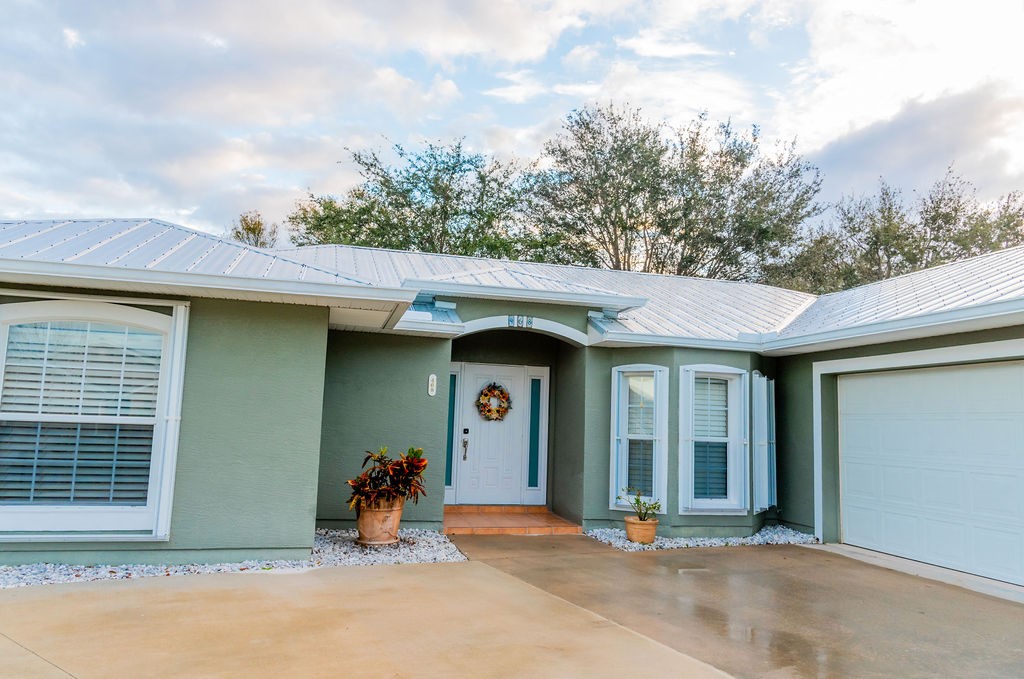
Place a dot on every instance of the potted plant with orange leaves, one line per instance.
(379, 493)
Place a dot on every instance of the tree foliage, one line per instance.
(624, 193)
(605, 197)
(872, 238)
(252, 230)
(440, 199)
(615, 190)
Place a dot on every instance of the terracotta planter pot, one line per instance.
(641, 531)
(378, 524)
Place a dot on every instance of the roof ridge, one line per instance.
(579, 267)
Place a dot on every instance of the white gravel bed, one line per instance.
(331, 548)
(769, 535)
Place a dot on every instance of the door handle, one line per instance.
(465, 448)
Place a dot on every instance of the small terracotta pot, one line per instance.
(378, 524)
(641, 531)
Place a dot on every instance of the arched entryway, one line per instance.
(515, 461)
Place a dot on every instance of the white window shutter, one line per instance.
(772, 475)
(763, 470)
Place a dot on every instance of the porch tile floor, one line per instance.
(505, 520)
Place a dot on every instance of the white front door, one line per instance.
(491, 455)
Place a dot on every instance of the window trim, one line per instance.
(738, 456)
(617, 460)
(59, 523)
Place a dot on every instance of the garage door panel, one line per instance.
(863, 481)
(943, 489)
(861, 438)
(864, 525)
(997, 552)
(995, 495)
(946, 543)
(932, 466)
(899, 528)
(900, 486)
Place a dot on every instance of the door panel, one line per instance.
(492, 472)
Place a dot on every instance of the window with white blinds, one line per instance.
(78, 405)
(710, 437)
(639, 432)
(712, 450)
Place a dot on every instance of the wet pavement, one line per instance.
(774, 611)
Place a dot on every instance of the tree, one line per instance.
(252, 230)
(440, 199)
(741, 208)
(625, 193)
(605, 198)
(876, 237)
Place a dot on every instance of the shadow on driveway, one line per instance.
(774, 611)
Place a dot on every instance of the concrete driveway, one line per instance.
(429, 620)
(774, 611)
(545, 606)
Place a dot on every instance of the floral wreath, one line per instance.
(484, 403)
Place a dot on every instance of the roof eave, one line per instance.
(193, 284)
(967, 319)
(614, 338)
(616, 303)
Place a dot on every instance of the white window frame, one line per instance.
(62, 523)
(738, 389)
(618, 463)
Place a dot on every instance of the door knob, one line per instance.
(465, 448)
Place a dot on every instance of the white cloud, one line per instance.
(214, 41)
(869, 59)
(581, 56)
(407, 98)
(677, 94)
(523, 87)
(72, 38)
(655, 43)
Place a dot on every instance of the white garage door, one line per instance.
(932, 466)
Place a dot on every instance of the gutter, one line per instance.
(612, 302)
(965, 319)
(200, 285)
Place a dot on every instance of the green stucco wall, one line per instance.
(568, 428)
(248, 454)
(795, 425)
(375, 394)
(471, 309)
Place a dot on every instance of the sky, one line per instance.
(194, 112)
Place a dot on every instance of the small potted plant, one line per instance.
(642, 527)
(380, 492)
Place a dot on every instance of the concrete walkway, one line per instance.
(430, 620)
(782, 611)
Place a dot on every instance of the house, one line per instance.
(166, 395)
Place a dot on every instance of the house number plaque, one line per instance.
(520, 321)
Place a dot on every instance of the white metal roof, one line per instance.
(996, 277)
(150, 244)
(152, 255)
(665, 306)
(147, 255)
